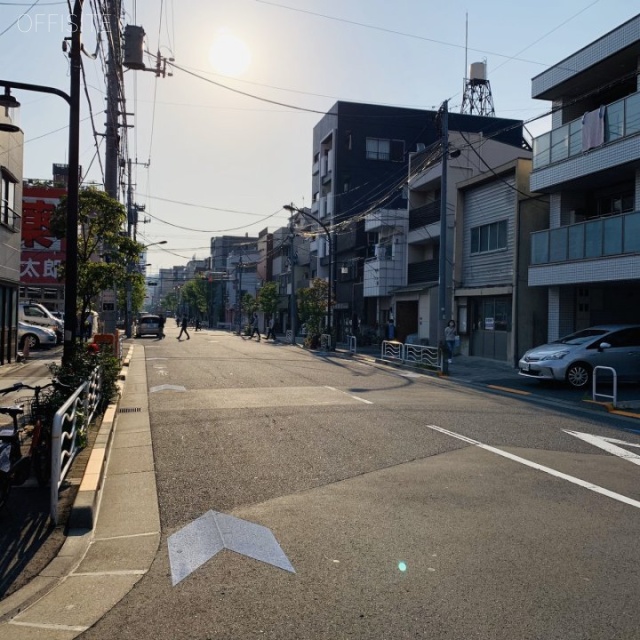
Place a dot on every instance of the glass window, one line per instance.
(593, 239)
(378, 149)
(575, 137)
(632, 233)
(613, 236)
(540, 247)
(558, 244)
(576, 242)
(541, 148)
(632, 114)
(560, 143)
(489, 237)
(614, 121)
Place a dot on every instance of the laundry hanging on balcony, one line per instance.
(593, 128)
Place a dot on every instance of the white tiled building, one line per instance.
(589, 163)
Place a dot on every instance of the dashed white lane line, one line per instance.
(534, 465)
(349, 394)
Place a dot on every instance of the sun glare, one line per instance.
(229, 55)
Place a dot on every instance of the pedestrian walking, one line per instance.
(198, 325)
(271, 329)
(254, 326)
(161, 323)
(183, 328)
(450, 337)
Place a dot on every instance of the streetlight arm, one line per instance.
(10, 84)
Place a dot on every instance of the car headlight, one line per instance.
(557, 355)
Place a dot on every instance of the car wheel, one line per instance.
(33, 341)
(578, 375)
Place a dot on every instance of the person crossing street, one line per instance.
(183, 328)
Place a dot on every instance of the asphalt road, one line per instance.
(408, 506)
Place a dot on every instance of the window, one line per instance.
(7, 198)
(378, 149)
(489, 237)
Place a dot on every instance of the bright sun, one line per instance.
(229, 55)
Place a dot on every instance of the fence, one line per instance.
(392, 351)
(69, 424)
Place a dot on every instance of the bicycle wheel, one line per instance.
(42, 460)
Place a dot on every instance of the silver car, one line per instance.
(573, 358)
(35, 336)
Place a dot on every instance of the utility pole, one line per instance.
(114, 75)
(292, 267)
(239, 296)
(112, 137)
(442, 264)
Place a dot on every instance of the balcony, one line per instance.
(325, 208)
(598, 238)
(423, 216)
(386, 219)
(381, 276)
(9, 218)
(622, 121)
(426, 271)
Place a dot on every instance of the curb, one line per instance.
(80, 523)
(84, 510)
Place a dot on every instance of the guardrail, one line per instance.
(393, 351)
(93, 396)
(64, 442)
(594, 392)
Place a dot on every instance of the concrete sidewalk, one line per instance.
(97, 567)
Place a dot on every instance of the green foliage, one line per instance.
(312, 308)
(77, 371)
(249, 304)
(194, 297)
(170, 301)
(100, 221)
(268, 298)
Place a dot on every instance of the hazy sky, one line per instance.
(211, 161)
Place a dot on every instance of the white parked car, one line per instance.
(35, 335)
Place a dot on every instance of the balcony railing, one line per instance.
(424, 215)
(9, 218)
(426, 271)
(597, 238)
(622, 120)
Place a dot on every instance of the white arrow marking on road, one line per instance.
(167, 387)
(203, 538)
(609, 445)
(534, 465)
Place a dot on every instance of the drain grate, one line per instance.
(130, 410)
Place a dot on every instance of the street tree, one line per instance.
(194, 297)
(312, 308)
(104, 252)
(268, 298)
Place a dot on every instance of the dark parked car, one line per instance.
(573, 358)
(148, 325)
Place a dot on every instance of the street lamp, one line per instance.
(291, 209)
(73, 184)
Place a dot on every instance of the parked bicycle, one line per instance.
(16, 467)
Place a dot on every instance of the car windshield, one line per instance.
(580, 337)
